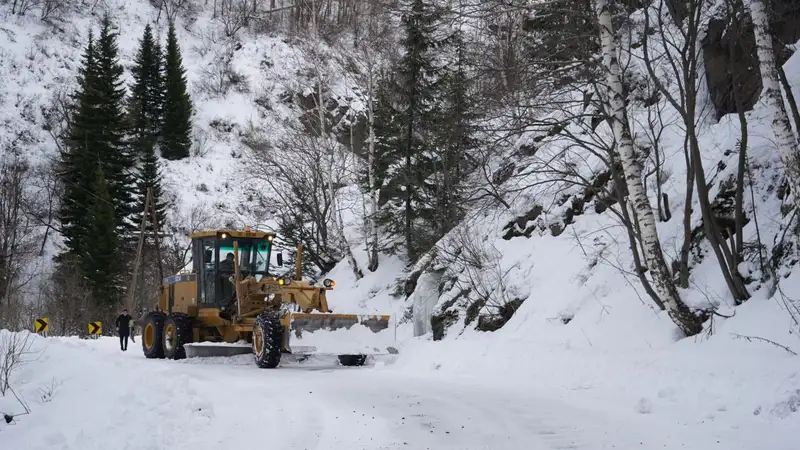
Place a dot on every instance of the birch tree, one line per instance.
(370, 43)
(676, 49)
(320, 67)
(768, 66)
(678, 311)
(374, 191)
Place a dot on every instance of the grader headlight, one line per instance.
(327, 282)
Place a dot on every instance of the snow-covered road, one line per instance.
(109, 399)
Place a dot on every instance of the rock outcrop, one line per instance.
(730, 55)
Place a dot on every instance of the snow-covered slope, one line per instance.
(39, 62)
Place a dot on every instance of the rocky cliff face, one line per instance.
(729, 51)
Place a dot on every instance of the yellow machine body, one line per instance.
(230, 296)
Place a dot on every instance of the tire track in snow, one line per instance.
(307, 419)
(437, 415)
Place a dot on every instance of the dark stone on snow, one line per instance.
(526, 150)
(473, 310)
(443, 320)
(504, 173)
(520, 227)
(496, 321)
(556, 229)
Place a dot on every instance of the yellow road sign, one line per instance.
(40, 325)
(95, 328)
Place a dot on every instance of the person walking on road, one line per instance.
(124, 329)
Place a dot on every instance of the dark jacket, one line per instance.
(123, 324)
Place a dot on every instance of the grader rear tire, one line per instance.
(177, 332)
(153, 335)
(267, 340)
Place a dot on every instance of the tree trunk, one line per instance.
(336, 213)
(374, 191)
(687, 218)
(618, 178)
(790, 98)
(662, 283)
(739, 202)
(351, 259)
(784, 136)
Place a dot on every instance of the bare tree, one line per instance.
(15, 351)
(371, 42)
(51, 9)
(785, 138)
(21, 7)
(18, 232)
(234, 15)
(673, 63)
(680, 313)
(317, 58)
(296, 171)
(171, 8)
(219, 76)
(735, 12)
(67, 299)
(480, 277)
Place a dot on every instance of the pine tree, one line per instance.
(455, 137)
(102, 262)
(113, 148)
(387, 162)
(178, 109)
(78, 161)
(417, 89)
(158, 87)
(146, 103)
(145, 110)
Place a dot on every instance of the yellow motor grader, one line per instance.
(231, 303)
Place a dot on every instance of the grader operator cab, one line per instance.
(231, 302)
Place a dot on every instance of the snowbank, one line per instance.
(355, 340)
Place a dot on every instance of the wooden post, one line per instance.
(236, 278)
(131, 303)
(156, 230)
(298, 263)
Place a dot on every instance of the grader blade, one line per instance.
(341, 334)
(310, 322)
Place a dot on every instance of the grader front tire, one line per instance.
(177, 332)
(267, 340)
(153, 335)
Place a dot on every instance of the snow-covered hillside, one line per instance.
(242, 86)
(583, 331)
